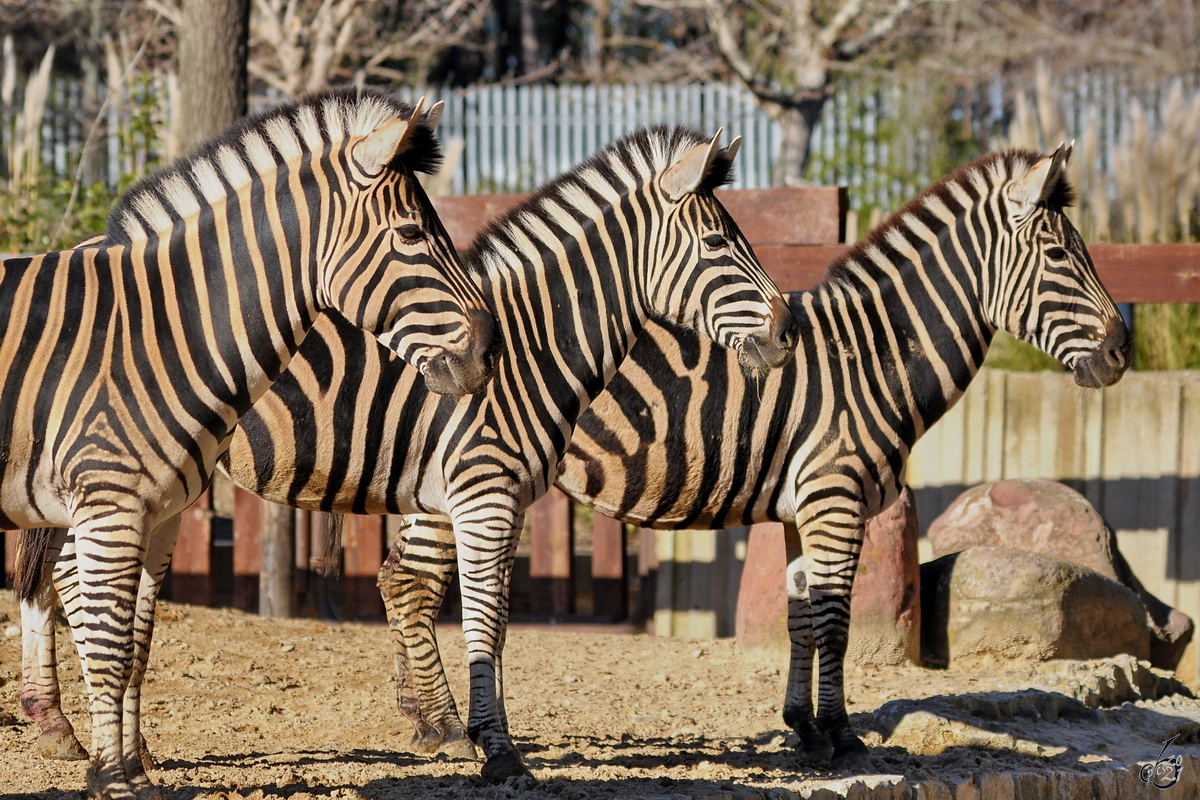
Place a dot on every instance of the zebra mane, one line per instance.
(615, 171)
(973, 181)
(257, 144)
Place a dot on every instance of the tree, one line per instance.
(788, 52)
(213, 40)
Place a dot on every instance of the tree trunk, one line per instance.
(529, 41)
(213, 77)
(797, 122)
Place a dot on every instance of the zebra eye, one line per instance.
(411, 233)
(1056, 254)
(714, 241)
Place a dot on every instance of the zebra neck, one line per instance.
(237, 311)
(568, 320)
(915, 318)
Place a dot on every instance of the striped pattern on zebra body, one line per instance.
(132, 359)
(573, 274)
(682, 439)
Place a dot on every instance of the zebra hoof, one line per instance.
(815, 750)
(502, 766)
(60, 746)
(458, 746)
(427, 742)
(849, 752)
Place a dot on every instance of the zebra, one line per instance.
(682, 438)
(573, 274)
(130, 360)
(889, 341)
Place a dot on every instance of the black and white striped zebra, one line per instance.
(682, 439)
(573, 275)
(129, 362)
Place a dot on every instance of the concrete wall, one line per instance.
(1133, 450)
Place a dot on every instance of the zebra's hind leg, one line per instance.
(158, 557)
(485, 553)
(413, 582)
(109, 558)
(40, 697)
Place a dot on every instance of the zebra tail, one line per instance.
(30, 559)
(331, 550)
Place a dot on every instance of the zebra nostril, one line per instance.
(1114, 356)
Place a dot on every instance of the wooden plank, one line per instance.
(363, 541)
(793, 216)
(609, 587)
(191, 564)
(248, 517)
(277, 568)
(1149, 273)
(552, 551)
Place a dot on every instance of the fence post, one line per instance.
(276, 576)
(248, 517)
(363, 541)
(552, 551)
(609, 592)
(191, 564)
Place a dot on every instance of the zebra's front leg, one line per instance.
(832, 541)
(814, 747)
(485, 553)
(40, 697)
(109, 559)
(413, 582)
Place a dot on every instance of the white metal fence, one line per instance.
(885, 140)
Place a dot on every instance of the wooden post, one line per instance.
(248, 518)
(647, 578)
(552, 551)
(363, 538)
(191, 564)
(609, 587)
(277, 572)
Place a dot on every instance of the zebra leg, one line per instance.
(485, 555)
(40, 697)
(832, 540)
(158, 558)
(413, 583)
(814, 746)
(108, 565)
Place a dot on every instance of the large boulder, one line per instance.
(989, 604)
(1051, 519)
(885, 610)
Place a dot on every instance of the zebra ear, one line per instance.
(731, 149)
(1043, 177)
(434, 115)
(378, 148)
(686, 174)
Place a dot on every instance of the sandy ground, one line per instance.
(238, 706)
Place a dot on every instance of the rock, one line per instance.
(885, 607)
(885, 612)
(1005, 604)
(1051, 519)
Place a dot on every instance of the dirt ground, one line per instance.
(241, 707)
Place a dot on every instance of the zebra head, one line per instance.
(389, 265)
(706, 277)
(1050, 296)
